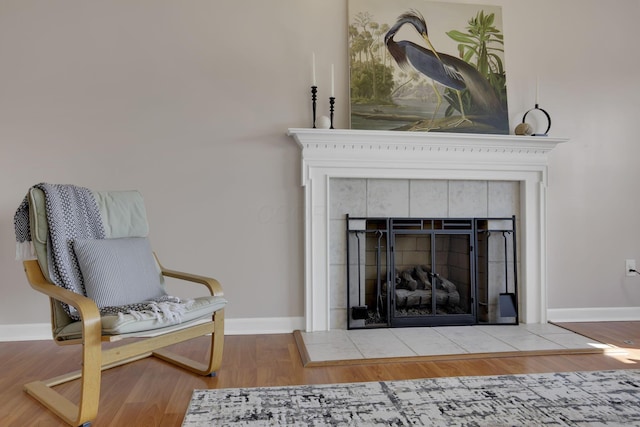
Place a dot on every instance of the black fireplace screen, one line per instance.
(427, 272)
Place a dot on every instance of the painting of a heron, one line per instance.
(427, 66)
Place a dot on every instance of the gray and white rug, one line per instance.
(600, 398)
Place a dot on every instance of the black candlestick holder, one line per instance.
(314, 97)
(332, 101)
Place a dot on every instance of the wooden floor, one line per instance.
(153, 393)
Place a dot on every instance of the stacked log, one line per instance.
(414, 289)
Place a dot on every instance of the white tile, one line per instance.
(531, 342)
(338, 286)
(361, 335)
(379, 343)
(500, 331)
(429, 198)
(348, 196)
(427, 342)
(325, 337)
(337, 241)
(388, 198)
(504, 198)
(546, 328)
(333, 351)
(415, 333)
(380, 350)
(457, 332)
(338, 318)
(468, 199)
(434, 346)
(487, 344)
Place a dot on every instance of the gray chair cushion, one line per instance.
(201, 308)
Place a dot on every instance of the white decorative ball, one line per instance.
(524, 129)
(323, 122)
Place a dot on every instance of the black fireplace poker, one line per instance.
(360, 311)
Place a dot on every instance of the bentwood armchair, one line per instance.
(94, 262)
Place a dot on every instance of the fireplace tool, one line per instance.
(360, 311)
(378, 276)
(507, 299)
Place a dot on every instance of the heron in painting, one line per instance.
(445, 69)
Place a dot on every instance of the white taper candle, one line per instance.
(313, 67)
(332, 82)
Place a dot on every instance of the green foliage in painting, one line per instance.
(481, 47)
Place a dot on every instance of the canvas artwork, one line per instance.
(419, 65)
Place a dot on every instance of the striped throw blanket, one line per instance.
(72, 213)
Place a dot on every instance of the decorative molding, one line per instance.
(391, 141)
(336, 153)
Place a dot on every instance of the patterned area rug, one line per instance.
(601, 398)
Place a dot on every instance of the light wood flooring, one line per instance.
(153, 393)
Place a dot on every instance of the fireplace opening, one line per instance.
(431, 272)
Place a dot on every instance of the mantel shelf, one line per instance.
(349, 140)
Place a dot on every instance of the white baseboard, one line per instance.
(26, 332)
(265, 325)
(595, 314)
(257, 326)
(285, 325)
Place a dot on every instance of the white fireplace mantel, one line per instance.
(338, 153)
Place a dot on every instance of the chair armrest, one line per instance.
(87, 308)
(214, 286)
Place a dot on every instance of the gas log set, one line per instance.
(414, 290)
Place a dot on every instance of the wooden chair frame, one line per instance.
(95, 359)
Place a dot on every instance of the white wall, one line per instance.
(594, 214)
(189, 102)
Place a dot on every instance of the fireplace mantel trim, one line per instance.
(346, 139)
(327, 154)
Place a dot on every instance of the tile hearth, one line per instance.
(369, 344)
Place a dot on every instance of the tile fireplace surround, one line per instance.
(336, 153)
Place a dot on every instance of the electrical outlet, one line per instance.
(630, 266)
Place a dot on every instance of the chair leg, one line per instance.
(83, 413)
(215, 352)
(86, 410)
(217, 344)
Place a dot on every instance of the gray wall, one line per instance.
(189, 102)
